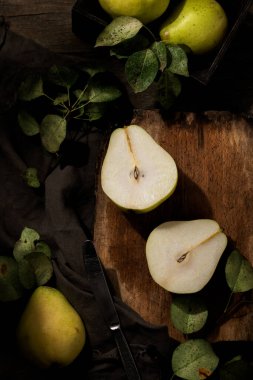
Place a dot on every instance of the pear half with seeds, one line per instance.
(183, 255)
(137, 173)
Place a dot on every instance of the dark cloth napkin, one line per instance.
(62, 211)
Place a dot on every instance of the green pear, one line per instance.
(199, 24)
(144, 10)
(50, 331)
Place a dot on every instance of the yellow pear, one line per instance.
(144, 10)
(50, 331)
(199, 24)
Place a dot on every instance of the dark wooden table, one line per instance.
(229, 99)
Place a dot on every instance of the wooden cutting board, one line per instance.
(214, 155)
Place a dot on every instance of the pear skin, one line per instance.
(144, 10)
(50, 331)
(198, 24)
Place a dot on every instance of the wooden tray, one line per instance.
(214, 155)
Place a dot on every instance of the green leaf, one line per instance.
(239, 273)
(179, 60)
(160, 50)
(81, 95)
(141, 69)
(120, 29)
(42, 247)
(26, 243)
(10, 286)
(61, 99)
(53, 132)
(94, 111)
(188, 313)
(28, 123)
(101, 89)
(237, 370)
(31, 177)
(62, 76)
(93, 69)
(37, 270)
(194, 360)
(169, 87)
(130, 46)
(31, 88)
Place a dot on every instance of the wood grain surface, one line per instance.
(213, 152)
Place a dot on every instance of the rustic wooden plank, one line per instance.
(215, 161)
(46, 22)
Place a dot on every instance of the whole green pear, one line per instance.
(199, 24)
(50, 331)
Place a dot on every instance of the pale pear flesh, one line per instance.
(183, 255)
(137, 173)
(199, 24)
(50, 331)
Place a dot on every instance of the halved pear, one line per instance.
(137, 173)
(183, 255)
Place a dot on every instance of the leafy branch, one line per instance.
(66, 95)
(147, 60)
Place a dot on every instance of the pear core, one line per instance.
(183, 255)
(199, 24)
(137, 173)
(144, 10)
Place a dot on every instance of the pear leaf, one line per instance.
(239, 273)
(169, 87)
(36, 271)
(28, 123)
(130, 46)
(53, 132)
(31, 177)
(10, 286)
(120, 29)
(26, 243)
(160, 50)
(81, 95)
(236, 370)
(61, 99)
(92, 70)
(62, 76)
(188, 313)
(179, 60)
(141, 69)
(43, 247)
(101, 89)
(94, 111)
(31, 88)
(194, 360)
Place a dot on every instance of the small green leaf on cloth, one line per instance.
(94, 111)
(35, 269)
(141, 69)
(120, 29)
(53, 132)
(188, 313)
(239, 273)
(62, 76)
(28, 123)
(43, 247)
(26, 243)
(10, 286)
(31, 177)
(194, 360)
(31, 88)
(61, 99)
(101, 89)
